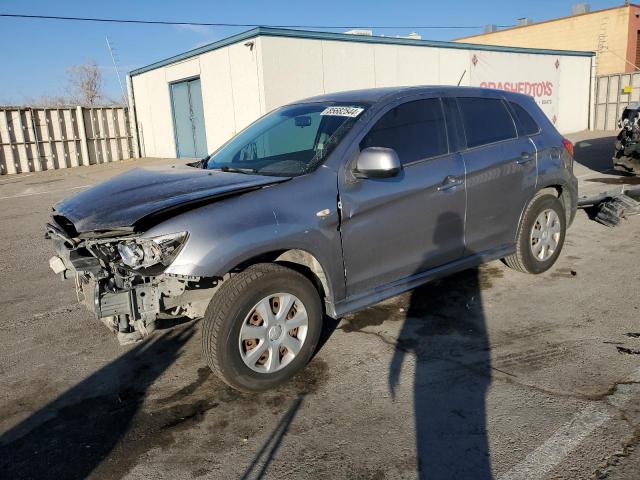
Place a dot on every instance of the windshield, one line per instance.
(289, 141)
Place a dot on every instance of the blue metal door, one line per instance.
(188, 119)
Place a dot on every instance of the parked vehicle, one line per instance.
(321, 207)
(626, 156)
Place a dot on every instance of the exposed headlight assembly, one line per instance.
(147, 252)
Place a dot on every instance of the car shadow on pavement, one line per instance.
(445, 329)
(596, 153)
(72, 435)
(263, 459)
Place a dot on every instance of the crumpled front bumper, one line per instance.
(128, 301)
(117, 309)
(138, 303)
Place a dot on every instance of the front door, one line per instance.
(188, 119)
(397, 227)
(501, 173)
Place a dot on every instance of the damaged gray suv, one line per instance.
(321, 207)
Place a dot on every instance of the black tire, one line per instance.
(229, 308)
(523, 259)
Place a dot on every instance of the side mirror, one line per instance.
(377, 162)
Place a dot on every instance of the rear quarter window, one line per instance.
(526, 124)
(485, 120)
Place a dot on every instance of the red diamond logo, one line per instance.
(557, 64)
(474, 60)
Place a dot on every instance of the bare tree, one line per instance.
(86, 84)
(85, 87)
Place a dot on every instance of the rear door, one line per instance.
(501, 172)
(396, 227)
(548, 147)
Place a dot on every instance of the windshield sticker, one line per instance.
(342, 111)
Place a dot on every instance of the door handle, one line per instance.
(525, 157)
(449, 182)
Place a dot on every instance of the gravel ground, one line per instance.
(486, 374)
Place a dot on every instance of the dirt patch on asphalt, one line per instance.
(374, 316)
(563, 273)
(630, 180)
(442, 299)
(82, 433)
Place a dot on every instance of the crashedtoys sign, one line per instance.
(537, 89)
(530, 74)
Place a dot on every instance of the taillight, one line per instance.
(568, 145)
(568, 160)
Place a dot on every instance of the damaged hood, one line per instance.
(124, 200)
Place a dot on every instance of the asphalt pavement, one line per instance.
(488, 373)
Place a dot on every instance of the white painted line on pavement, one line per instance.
(570, 435)
(44, 193)
(543, 459)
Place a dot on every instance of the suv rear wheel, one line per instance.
(261, 327)
(541, 235)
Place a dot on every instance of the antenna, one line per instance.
(117, 69)
(461, 77)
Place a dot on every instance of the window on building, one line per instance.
(415, 130)
(486, 120)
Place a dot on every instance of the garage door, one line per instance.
(188, 119)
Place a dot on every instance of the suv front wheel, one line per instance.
(261, 327)
(540, 236)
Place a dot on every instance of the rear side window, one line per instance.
(526, 124)
(486, 120)
(415, 130)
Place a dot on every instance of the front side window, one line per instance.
(289, 141)
(415, 130)
(485, 120)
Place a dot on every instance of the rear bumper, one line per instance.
(573, 195)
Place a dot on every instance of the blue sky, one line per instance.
(37, 52)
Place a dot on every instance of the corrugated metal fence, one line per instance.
(36, 139)
(610, 98)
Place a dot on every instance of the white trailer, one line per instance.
(191, 103)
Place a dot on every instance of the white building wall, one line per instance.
(217, 97)
(153, 111)
(346, 66)
(298, 68)
(232, 93)
(282, 82)
(232, 97)
(575, 96)
(241, 82)
(246, 81)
